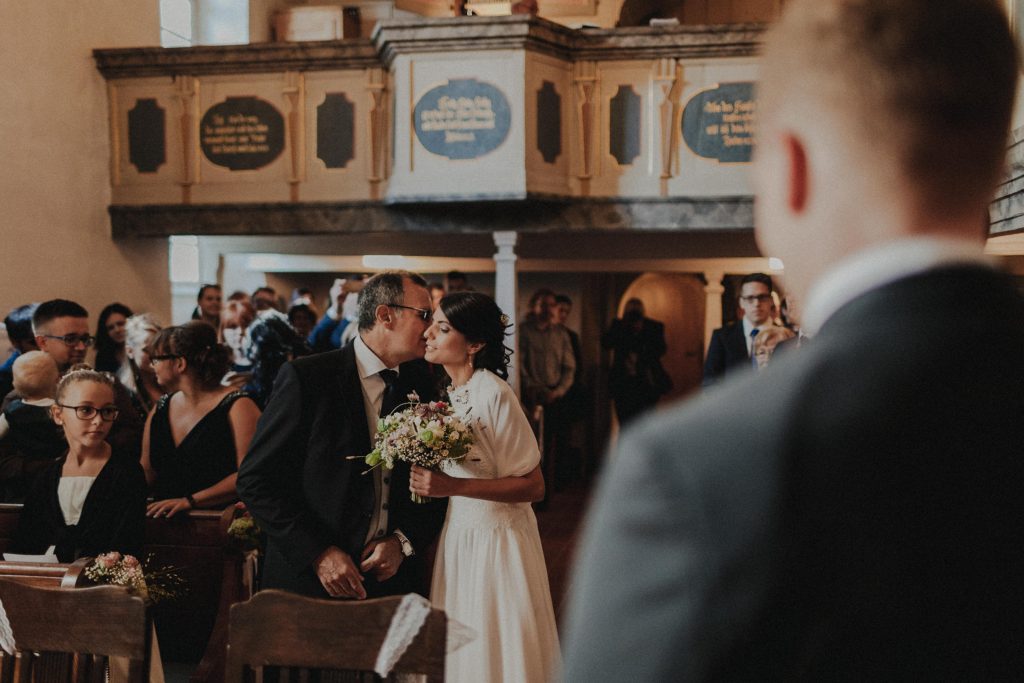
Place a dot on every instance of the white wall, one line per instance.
(54, 159)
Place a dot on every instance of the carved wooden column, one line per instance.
(376, 84)
(295, 93)
(186, 92)
(585, 78)
(713, 292)
(506, 291)
(669, 77)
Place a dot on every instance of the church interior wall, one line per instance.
(55, 172)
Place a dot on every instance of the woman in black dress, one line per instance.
(92, 499)
(199, 432)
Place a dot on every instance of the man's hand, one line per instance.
(338, 573)
(383, 557)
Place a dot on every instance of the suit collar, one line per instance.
(878, 266)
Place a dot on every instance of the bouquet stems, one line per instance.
(417, 498)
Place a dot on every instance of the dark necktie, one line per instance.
(753, 356)
(392, 397)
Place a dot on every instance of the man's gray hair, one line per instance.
(385, 288)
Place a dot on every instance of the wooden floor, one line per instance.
(559, 526)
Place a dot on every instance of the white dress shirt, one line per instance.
(372, 384)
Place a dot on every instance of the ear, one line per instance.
(475, 348)
(55, 414)
(383, 314)
(41, 342)
(797, 173)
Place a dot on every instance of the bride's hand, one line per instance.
(433, 484)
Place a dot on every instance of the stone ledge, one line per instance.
(534, 214)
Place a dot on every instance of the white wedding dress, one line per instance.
(490, 573)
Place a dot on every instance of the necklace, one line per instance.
(460, 394)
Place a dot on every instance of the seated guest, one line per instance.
(26, 426)
(767, 341)
(92, 499)
(208, 303)
(272, 344)
(264, 299)
(302, 318)
(26, 420)
(199, 432)
(140, 377)
(19, 331)
(343, 310)
(110, 354)
(234, 321)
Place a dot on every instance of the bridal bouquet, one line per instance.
(426, 434)
(125, 570)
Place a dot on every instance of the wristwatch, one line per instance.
(407, 550)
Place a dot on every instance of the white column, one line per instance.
(713, 291)
(506, 292)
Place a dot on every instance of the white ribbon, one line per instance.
(6, 634)
(406, 622)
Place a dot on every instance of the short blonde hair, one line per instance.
(925, 83)
(35, 375)
(140, 329)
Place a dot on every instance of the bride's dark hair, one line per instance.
(480, 321)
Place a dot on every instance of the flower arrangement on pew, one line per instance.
(153, 586)
(426, 434)
(245, 533)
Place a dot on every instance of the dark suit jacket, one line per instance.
(727, 351)
(305, 492)
(853, 512)
(113, 517)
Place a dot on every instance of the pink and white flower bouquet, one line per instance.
(426, 434)
(125, 570)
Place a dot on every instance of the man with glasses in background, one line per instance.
(731, 347)
(333, 531)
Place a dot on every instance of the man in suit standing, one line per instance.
(637, 379)
(855, 511)
(731, 347)
(332, 530)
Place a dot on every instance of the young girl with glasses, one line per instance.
(92, 499)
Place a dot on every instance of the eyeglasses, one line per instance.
(107, 413)
(74, 339)
(166, 356)
(422, 313)
(756, 298)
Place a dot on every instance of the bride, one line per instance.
(490, 572)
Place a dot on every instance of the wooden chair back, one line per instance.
(94, 624)
(290, 631)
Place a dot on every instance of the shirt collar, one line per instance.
(877, 266)
(367, 362)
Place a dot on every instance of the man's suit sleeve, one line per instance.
(269, 479)
(641, 574)
(714, 363)
(658, 346)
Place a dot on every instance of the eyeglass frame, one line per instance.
(164, 356)
(756, 298)
(95, 411)
(424, 313)
(76, 339)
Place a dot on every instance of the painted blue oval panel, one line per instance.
(463, 119)
(719, 123)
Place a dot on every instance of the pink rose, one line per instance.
(130, 562)
(108, 560)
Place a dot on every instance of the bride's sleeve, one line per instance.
(515, 446)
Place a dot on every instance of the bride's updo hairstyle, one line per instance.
(196, 341)
(480, 321)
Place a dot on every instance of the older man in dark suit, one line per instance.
(855, 511)
(332, 530)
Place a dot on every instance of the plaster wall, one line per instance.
(55, 178)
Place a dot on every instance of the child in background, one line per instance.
(26, 421)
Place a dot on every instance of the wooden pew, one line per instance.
(193, 629)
